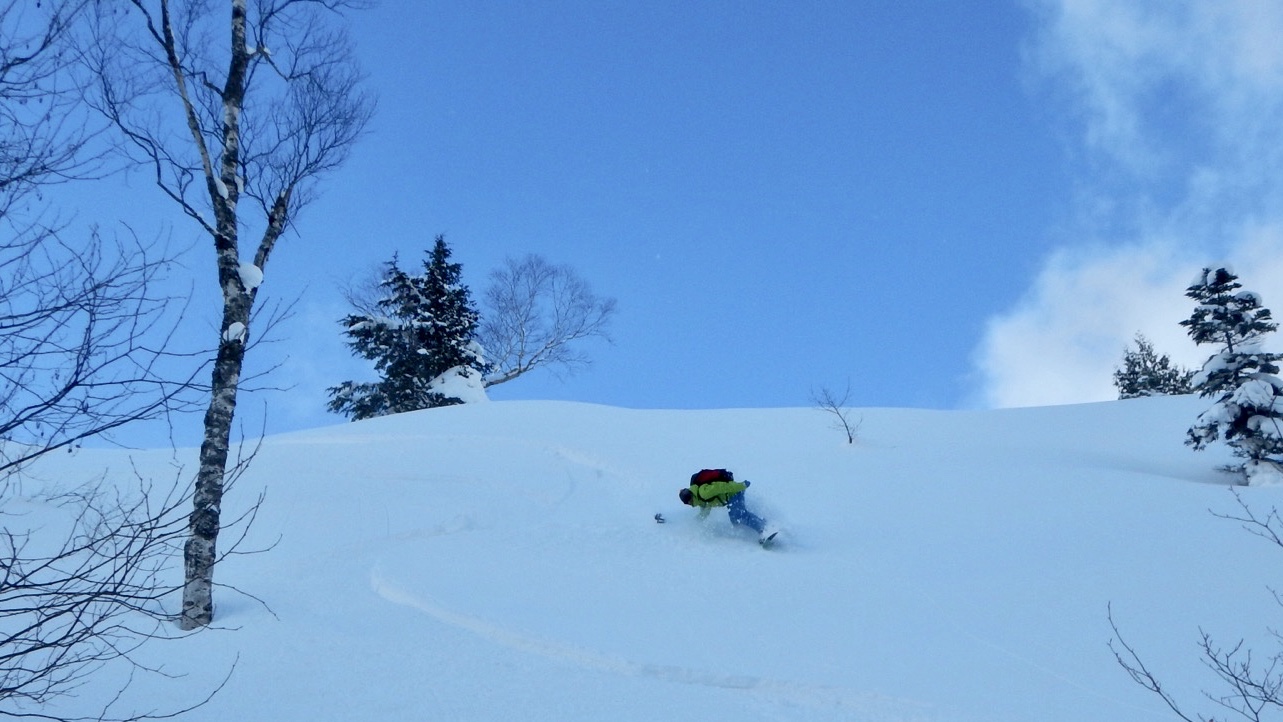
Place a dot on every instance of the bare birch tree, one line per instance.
(237, 107)
(536, 313)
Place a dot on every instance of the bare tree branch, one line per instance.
(1252, 685)
(1131, 662)
(83, 343)
(44, 133)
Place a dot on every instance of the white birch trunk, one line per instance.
(201, 550)
(325, 112)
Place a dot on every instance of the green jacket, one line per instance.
(717, 493)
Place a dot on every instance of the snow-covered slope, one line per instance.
(500, 562)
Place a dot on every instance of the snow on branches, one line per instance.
(1241, 376)
(421, 337)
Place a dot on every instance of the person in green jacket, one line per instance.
(723, 491)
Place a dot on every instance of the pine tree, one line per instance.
(1145, 373)
(420, 337)
(1242, 377)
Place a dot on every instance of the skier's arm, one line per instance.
(722, 489)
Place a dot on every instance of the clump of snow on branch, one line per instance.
(460, 383)
(251, 277)
(235, 333)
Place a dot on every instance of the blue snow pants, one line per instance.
(741, 515)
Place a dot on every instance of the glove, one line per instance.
(747, 483)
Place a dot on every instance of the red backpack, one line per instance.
(708, 476)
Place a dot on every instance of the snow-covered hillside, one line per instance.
(500, 562)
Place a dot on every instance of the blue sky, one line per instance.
(944, 204)
(780, 196)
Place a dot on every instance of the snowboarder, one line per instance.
(717, 487)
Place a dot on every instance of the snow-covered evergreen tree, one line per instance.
(421, 338)
(1145, 373)
(1241, 376)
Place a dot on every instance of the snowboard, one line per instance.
(767, 538)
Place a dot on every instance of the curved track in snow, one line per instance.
(866, 706)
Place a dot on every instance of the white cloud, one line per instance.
(1063, 340)
(1127, 67)
(1060, 344)
(1181, 104)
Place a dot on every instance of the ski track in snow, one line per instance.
(866, 706)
